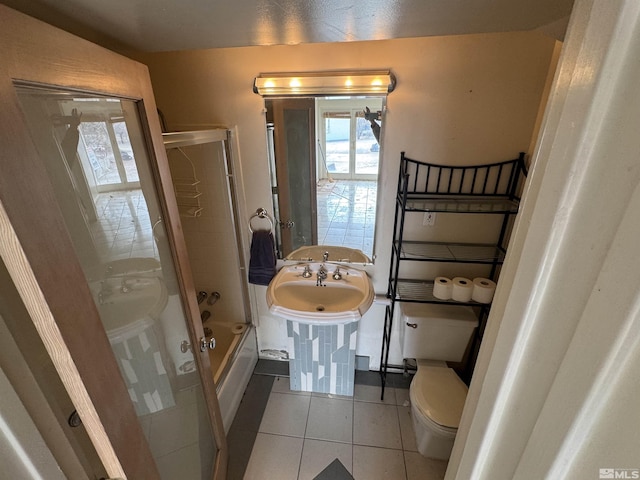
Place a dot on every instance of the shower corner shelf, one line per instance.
(490, 189)
(189, 212)
(186, 188)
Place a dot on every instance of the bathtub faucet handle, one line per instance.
(204, 344)
(213, 298)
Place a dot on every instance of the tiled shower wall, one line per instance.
(209, 237)
(322, 357)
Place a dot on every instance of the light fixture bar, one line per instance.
(324, 83)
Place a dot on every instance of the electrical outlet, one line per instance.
(429, 219)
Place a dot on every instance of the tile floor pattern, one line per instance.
(300, 434)
(346, 213)
(123, 228)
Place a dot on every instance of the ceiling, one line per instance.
(167, 25)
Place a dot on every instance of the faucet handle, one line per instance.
(337, 275)
(325, 256)
(307, 272)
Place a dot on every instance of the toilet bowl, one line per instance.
(437, 398)
(434, 334)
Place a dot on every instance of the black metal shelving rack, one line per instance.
(490, 189)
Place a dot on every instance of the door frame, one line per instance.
(279, 105)
(39, 254)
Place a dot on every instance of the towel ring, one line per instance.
(261, 213)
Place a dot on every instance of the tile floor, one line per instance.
(123, 228)
(346, 213)
(300, 434)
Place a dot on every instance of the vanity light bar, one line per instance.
(324, 83)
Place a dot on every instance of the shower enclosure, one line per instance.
(206, 183)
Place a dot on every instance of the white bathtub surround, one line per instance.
(234, 383)
(227, 336)
(322, 358)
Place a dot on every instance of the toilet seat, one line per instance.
(439, 395)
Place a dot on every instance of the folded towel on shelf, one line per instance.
(262, 264)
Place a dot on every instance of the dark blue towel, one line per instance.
(262, 264)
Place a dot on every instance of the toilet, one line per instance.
(434, 334)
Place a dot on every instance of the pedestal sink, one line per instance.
(299, 294)
(323, 304)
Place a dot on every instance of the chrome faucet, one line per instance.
(337, 275)
(321, 275)
(325, 256)
(307, 272)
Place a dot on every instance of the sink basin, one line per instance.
(300, 299)
(337, 254)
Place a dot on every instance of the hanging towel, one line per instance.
(262, 264)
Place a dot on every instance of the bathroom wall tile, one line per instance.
(286, 414)
(378, 464)
(330, 419)
(406, 429)
(376, 425)
(274, 457)
(317, 455)
(421, 468)
(322, 358)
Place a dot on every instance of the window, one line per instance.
(347, 146)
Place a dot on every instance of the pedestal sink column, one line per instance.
(322, 358)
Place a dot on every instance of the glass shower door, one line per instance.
(119, 236)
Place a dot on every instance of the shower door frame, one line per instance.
(38, 252)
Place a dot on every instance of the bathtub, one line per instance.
(232, 364)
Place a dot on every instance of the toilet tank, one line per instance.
(436, 332)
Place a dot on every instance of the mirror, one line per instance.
(324, 156)
(328, 253)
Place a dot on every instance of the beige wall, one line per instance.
(458, 100)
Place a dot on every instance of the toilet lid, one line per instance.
(439, 394)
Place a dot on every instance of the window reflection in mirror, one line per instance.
(324, 155)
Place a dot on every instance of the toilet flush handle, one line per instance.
(412, 325)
